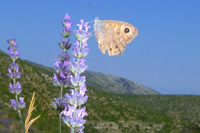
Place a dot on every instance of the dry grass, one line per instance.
(28, 123)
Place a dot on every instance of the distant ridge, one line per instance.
(110, 83)
(116, 85)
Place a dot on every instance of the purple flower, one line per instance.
(65, 44)
(69, 112)
(75, 67)
(82, 34)
(82, 89)
(61, 80)
(73, 116)
(15, 88)
(63, 77)
(19, 105)
(66, 32)
(81, 24)
(11, 41)
(59, 103)
(86, 26)
(61, 67)
(12, 48)
(14, 55)
(76, 121)
(64, 56)
(14, 71)
(78, 99)
(77, 81)
(13, 74)
(79, 53)
(13, 104)
(14, 67)
(67, 16)
(84, 44)
(57, 63)
(67, 23)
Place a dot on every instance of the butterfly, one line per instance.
(113, 36)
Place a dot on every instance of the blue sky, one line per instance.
(165, 56)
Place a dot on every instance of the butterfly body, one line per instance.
(113, 35)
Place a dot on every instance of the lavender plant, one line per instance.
(61, 77)
(73, 113)
(15, 88)
(68, 74)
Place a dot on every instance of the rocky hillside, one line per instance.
(117, 85)
(110, 83)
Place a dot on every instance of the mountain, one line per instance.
(107, 112)
(116, 85)
(110, 83)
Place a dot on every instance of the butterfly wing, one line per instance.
(114, 35)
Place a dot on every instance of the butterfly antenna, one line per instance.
(92, 9)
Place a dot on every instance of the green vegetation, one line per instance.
(106, 112)
(179, 107)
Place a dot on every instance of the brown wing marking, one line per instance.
(113, 38)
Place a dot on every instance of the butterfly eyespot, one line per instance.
(110, 49)
(126, 30)
(116, 46)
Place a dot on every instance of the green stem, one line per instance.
(60, 122)
(14, 81)
(72, 130)
(19, 112)
(20, 116)
(61, 91)
(60, 116)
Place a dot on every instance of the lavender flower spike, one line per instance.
(15, 88)
(73, 117)
(61, 77)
